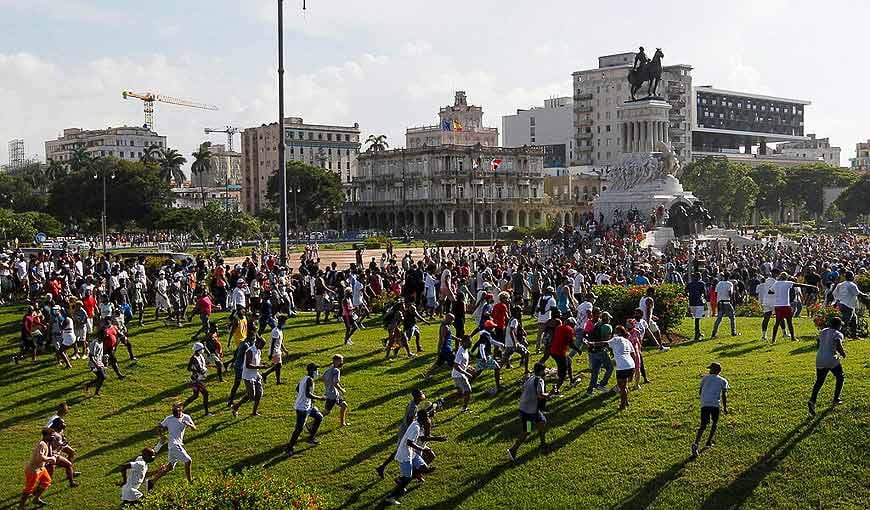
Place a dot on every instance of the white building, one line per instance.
(819, 149)
(332, 147)
(226, 168)
(599, 92)
(193, 198)
(550, 126)
(122, 142)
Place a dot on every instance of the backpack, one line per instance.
(389, 314)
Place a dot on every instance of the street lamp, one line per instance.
(103, 219)
(296, 189)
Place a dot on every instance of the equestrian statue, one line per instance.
(646, 70)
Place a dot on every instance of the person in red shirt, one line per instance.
(499, 315)
(30, 327)
(89, 303)
(563, 337)
(204, 306)
(110, 342)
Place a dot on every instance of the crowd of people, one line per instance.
(80, 307)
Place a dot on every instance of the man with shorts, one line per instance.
(36, 477)
(252, 378)
(462, 373)
(696, 291)
(133, 475)
(409, 455)
(445, 345)
(647, 305)
(276, 349)
(713, 390)
(532, 403)
(305, 409)
(175, 424)
(417, 397)
(766, 298)
(335, 392)
(782, 304)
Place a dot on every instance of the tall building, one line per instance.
(433, 186)
(813, 148)
(332, 147)
(598, 94)
(549, 127)
(861, 161)
(121, 142)
(458, 124)
(226, 169)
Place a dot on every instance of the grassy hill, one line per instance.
(770, 453)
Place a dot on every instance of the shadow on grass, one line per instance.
(387, 444)
(731, 351)
(138, 437)
(153, 399)
(735, 493)
(646, 494)
(810, 347)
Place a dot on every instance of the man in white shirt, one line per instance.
(409, 454)
(133, 474)
(766, 299)
(252, 378)
(579, 285)
(175, 425)
(462, 373)
(846, 296)
(724, 305)
(782, 304)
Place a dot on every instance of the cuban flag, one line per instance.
(446, 125)
(494, 164)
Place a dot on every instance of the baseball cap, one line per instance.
(198, 346)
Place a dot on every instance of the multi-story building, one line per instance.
(598, 94)
(861, 161)
(332, 147)
(458, 124)
(121, 142)
(226, 168)
(818, 149)
(550, 127)
(193, 198)
(433, 186)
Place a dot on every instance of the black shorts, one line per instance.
(561, 365)
(624, 374)
(530, 420)
(330, 403)
(445, 357)
(709, 413)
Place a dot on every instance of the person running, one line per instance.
(252, 378)
(409, 324)
(335, 392)
(532, 404)
(724, 305)
(563, 337)
(767, 299)
(214, 350)
(133, 475)
(486, 346)
(305, 408)
(409, 455)
(95, 364)
(622, 349)
(461, 373)
(445, 345)
(417, 397)
(238, 363)
(349, 316)
(515, 341)
(198, 372)
(830, 350)
(276, 349)
(782, 304)
(238, 326)
(36, 476)
(598, 357)
(175, 424)
(713, 390)
(846, 295)
(696, 292)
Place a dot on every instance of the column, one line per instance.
(657, 131)
(644, 136)
(623, 131)
(448, 219)
(635, 133)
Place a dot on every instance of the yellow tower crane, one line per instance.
(148, 98)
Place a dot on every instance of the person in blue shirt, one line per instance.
(696, 292)
(641, 278)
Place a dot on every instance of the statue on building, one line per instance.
(636, 169)
(646, 71)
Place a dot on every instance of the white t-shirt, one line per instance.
(251, 374)
(176, 428)
(277, 340)
(461, 361)
(135, 477)
(578, 283)
(711, 389)
(846, 292)
(510, 335)
(404, 453)
(583, 313)
(780, 293)
(429, 283)
(303, 403)
(622, 350)
(601, 277)
(724, 289)
(646, 305)
(549, 302)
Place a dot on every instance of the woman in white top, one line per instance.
(68, 339)
(622, 350)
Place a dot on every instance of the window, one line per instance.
(320, 136)
(310, 135)
(608, 128)
(346, 138)
(290, 134)
(532, 140)
(532, 132)
(531, 121)
(329, 137)
(348, 165)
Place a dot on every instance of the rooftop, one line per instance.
(709, 89)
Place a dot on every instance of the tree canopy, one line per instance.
(321, 196)
(854, 202)
(725, 188)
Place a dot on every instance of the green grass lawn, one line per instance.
(770, 454)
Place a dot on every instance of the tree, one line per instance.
(16, 193)
(170, 166)
(151, 155)
(805, 184)
(43, 222)
(135, 190)
(202, 165)
(725, 187)
(80, 159)
(770, 179)
(854, 202)
(377, 143)
(16, 226)
(54, 170)
(320, 198)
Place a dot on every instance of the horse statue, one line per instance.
(650, 72)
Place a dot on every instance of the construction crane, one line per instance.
(149, 98)
(230, 132)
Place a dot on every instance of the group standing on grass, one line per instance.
(79, 307)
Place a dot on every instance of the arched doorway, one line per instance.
(461, 221)
(431, 220)
(499, 218)
(421, 221)
(441, 220)
(523, 219)
(536, 218)
(510, 219)
(567, 219)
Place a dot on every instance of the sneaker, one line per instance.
(811, 406)
(313, 441)
(664, 349)
(39, 503)
(512, 455)
(349, 342)
(694, 450)
(837, 402)
(392, 501)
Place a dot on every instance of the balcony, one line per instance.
(583, 108)
(583, 97)
(584, 148)
(584, 136)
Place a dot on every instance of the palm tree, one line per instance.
(151, 155)
(377, 143)
(170, 166)
(35, 177)
(55, 170)
(80, 159)
(202, 165)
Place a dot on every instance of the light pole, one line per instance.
(296, 189)
(103, 219)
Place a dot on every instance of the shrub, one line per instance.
(751, 307)
(671, 304)
(379, 241)
(823, 314)
(862, 280)
(252, 489)
(379, 304)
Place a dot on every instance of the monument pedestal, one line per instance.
(646, 198)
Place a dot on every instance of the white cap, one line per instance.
(198, 346)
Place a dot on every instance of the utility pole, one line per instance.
(282, 164)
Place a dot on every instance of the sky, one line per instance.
(390, 64)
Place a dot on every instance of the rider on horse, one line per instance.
(640, 60)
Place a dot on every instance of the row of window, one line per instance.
(749, 105)
(300, 135)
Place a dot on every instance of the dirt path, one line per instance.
(343, 258)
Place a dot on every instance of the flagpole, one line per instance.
(492, 211)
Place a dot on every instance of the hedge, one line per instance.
(671, 305)
(252, 489)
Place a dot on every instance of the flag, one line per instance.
(494, 164)
(457, 126)
(445, 126)
(475, 163)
